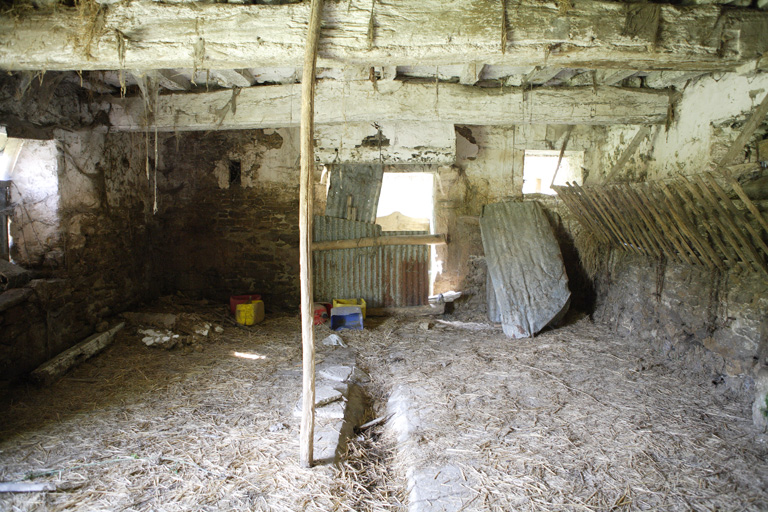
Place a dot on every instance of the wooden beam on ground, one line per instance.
(429, 310)
(27, 486)
(339, 102)
(307, 159)
(379, 241)
(144, 34)
(638, 139)
(59, 365)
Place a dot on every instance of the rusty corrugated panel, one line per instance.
(392, 276)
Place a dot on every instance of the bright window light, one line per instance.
(409, 194)
(539, 168)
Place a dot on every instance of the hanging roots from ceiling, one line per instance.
(91, 14)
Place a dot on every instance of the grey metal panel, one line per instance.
(525, 265)
(494, 314)
(361, 182)
(395, 275)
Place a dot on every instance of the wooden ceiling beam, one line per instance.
(144, 34)
(388, 101)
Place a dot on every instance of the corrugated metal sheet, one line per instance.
(525, 265)
(361, 183)
(391, 276)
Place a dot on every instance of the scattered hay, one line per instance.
(593, 253)
(571, 419)
(138, 428)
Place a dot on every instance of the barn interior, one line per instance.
(555, 211)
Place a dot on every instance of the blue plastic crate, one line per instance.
(347, 317)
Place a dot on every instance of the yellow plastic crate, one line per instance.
(350, 302)
(249, 314)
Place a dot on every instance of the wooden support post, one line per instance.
(5, 188)
(306, 445)
(562, 152)
(737, 147)
(640, 136)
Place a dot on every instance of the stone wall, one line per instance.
(99, 267)
(716, 321)
(220, 236)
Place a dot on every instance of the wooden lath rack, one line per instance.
(688, 219)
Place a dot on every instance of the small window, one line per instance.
(235, 171)
(539, 170)
(406, 201)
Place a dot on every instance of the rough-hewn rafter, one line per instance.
(153, 35)
(356, 102)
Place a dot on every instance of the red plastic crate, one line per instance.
(234, 300)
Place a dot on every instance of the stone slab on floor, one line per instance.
(340, 401)
(430, 489)
(440, 489)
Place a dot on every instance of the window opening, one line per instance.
(539, 170)
(234, 172)
(406, 202)
(29, 219)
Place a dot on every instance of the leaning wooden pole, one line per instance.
(305, 232)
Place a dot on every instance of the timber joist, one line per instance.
(338, 102)
(688, 219)
(146, 35)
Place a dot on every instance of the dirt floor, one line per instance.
(573, 419)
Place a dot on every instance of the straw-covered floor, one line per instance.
(147, 429)
(574, 419)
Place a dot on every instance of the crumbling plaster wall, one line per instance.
(101, 265)
(219, 239)
(489, 168)
(34, 228)
(707, 118)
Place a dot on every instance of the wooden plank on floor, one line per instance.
(61, 364)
